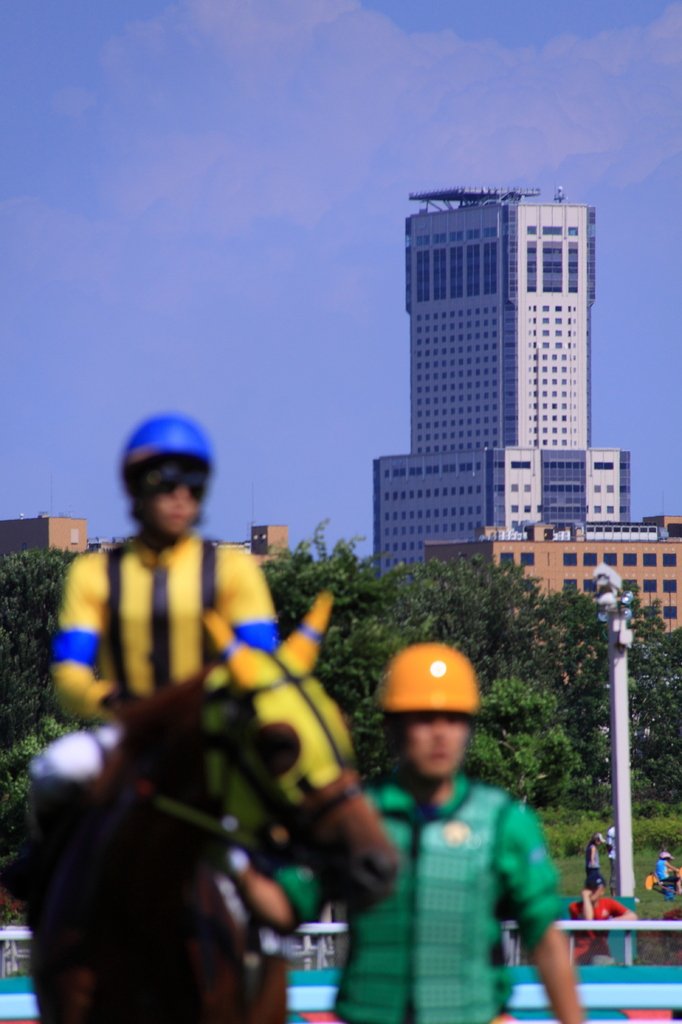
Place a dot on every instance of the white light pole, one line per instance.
(617, 615)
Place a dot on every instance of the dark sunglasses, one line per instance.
(164, 479)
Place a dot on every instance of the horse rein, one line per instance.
(298, 820)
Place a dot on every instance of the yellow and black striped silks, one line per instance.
(258, 697)
(137, 615)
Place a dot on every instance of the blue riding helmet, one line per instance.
(169, 435)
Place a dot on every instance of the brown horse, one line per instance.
(133, 929)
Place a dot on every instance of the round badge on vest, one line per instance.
(455, 833)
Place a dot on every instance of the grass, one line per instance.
(651, 905)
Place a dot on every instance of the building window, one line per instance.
(490, 268)
(570, 584)
(573, 268)
(527, 558)
(456, 273)
(590, 558)
(629, 559)
(670, 560)
(649, 560)
(532, 268)
(473, 270)
(439, 272)
(423, 277)
(570, 558)
(611, 558)
(669, 586)
(589, 586)
(573, 231)
(551, 231)
(551, 268)
(507, 556)
(649, 586)
(670, 612)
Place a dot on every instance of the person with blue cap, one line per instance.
(131, 618)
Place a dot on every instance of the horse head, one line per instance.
(280, 759)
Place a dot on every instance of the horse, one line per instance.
(251, 752)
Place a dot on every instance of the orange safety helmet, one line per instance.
(430, 677)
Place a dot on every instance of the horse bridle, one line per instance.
(297, 821)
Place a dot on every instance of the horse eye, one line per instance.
(279, 747)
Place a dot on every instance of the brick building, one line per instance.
(644, 554)
(43, 532)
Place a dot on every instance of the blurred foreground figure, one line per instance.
(131, 620)
(471, 856)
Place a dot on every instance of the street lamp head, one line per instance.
(627, 598)
(607, 578)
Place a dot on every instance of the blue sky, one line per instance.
(201, 207)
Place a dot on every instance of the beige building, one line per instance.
(43, 532)
(267, 541)
(642, 553)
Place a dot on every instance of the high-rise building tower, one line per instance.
(499, 294)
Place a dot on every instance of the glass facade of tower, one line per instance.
(499, 294)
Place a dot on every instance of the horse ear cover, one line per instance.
(251, 668)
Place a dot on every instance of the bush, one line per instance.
(12, 911)
(14, 783)
(568, 839)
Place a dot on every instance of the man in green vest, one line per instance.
(471, 856)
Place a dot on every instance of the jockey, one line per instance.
(131, 619)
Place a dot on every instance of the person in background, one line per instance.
(593, 947)
(471, 856)
(592, 869)
(612, 852)
(668, 875)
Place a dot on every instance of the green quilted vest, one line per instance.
(434, 946)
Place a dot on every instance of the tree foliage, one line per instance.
(520, 744)
(362, 635)
(31, 586)
(14, 782)
(541, 660)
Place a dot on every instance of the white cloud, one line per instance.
(218, 117)
(226, 111)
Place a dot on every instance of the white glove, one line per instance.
(237, 861)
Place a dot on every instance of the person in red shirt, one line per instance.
(594, 906)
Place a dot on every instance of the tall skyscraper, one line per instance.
(499, 294)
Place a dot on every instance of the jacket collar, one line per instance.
(167, 557)
(392, 798)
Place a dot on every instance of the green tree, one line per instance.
(31, 586)
(655, 671)
(519, 745)
(570, 657)
(14, 782)
(362, 635)
(488, 611)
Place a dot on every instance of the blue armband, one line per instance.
(76, 645)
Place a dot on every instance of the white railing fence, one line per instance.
(321, 945)
(650, 943)
(15, 951)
